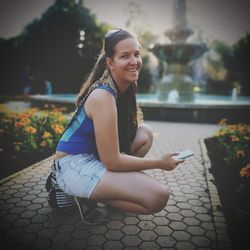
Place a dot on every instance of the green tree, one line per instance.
(54, 47)
(241, 64)
(218, 63)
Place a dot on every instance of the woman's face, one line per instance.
(126, 63)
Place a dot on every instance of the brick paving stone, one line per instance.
(114, 235)
(149, 246)
(61, 239)
(185, 246)
(13, 233)
(132, 220)
(46, 233)
(166, 241)
(113, 245)
(77, 245)
(33, 228)
(94, 248)
(40, 244)
(40, 218)
(28, 214)
(98, 229)
(26, 238)
(65, 229)
(131, 230)
(9, 218)
(160, 221)
(174, 217)
(146, 225)
(56, 247)
(17, 210)
(115, 225)
(130, 240)
(163, 230)
(181, 236)
(177, 225)
(96, 240)
(195, 230)
(80, 234)
(27, 221)
(191, 221)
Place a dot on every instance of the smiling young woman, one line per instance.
(101, 154)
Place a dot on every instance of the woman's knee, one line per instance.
(147, 133)
(158, 200)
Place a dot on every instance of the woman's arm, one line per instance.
(101, 108)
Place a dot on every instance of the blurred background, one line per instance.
(53, 44)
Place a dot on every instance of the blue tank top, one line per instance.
(79, 138)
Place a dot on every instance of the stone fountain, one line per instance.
(177, 85)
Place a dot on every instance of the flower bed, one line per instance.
(229, 153)
(28, 137)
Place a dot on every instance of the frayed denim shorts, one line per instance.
(78, 175)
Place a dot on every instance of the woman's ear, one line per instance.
(109, 63)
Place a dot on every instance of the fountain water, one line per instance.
(179, 55)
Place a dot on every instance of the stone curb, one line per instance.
(224, 241)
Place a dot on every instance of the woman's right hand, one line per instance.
(167, 162)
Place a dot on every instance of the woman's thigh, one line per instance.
(136, 187)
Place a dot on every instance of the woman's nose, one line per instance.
(133, 60)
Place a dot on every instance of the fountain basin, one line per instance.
(203, 109)
(178, 53)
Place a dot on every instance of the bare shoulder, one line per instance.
(98, 100)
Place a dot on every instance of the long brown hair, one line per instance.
(127, 108)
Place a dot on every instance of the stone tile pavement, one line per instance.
(189, 221)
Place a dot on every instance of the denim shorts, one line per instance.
(78, 175)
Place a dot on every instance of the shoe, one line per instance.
(89, 213)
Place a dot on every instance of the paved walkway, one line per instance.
(189, 221)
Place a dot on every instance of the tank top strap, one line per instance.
(108, 88)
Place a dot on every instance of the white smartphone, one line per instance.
(183, 154)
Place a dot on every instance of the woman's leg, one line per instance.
(133, 192)
(143, 141)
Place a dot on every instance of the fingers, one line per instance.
(173, 154)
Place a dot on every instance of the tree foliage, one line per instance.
(49, 46)
(241, 72)
(234, 62)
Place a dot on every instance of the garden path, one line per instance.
(187, 222)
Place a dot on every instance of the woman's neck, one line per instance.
(121, 87)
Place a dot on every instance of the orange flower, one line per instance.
(58, 128)
(223, 121)
(220, 133)
(232, 127)
(43, 144)
(234, 138)
(25, 121)
(46, 135)
(245, 171)
(18, 124)
(30, 130)
(240, 153)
